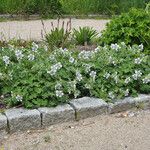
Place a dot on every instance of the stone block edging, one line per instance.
(142, 102)
(88, 107)
(59, 114)
(20, 119)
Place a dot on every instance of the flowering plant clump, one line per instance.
(34, 77)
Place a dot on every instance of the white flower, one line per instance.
(126, 92)
(87, 67)
(19, 54)
(31, 57)
(58, 86)
(78, 76)
(76, 93)
(141, 47)
(110, 59)
(116, 79)
(19, 98)
(97, 49)
(85, 54)
(6, 60)
(114, 63)
(34, 47)
(115, 47)
(54, 69)
(127, 80)
(138, 61)
(52, 58)
(51, 72)
(93, 74)
(99, 35)
(71, 60)
(106, 75)
(146, 80)
(10, 75)
(137, 74)
(63, 51)
(59, 93)
(56, 66)
(111, 95)
(115, 76)
(46, 48)
(59, 65)
(72, 84)
(88, 86)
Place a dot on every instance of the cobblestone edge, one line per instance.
(20, 119)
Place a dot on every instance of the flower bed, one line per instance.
(35, 77)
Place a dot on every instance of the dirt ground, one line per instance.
(31, 30)
(108, 132)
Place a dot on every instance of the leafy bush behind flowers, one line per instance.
(132, 27)
(34, 77)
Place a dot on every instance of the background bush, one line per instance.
(42, 7)
(132, 28)
(76, 7)
(107, 7)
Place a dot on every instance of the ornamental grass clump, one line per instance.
(84, 36)
(34, 77)
(58, 36)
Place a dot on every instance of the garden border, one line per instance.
(20, 119)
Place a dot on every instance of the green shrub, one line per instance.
(49, 7)
(16, 43)
(84, 35)
(107, 7)
(76, 7)
(42, 7)
(132, 28)
(33, 77)
(59, 36)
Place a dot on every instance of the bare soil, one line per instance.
(108, 132)
(32, 30)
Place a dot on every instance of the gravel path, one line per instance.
(109, 132)
(32, 29)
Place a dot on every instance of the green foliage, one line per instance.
(84, 35)
(132, 28)
(49, 7)
(34, 77)
(16, 43)
(107, 7)
(59, 36)
(42, 7)
(76, 7)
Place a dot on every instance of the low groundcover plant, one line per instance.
(35, 77)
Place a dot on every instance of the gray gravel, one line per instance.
(108, 132)
(31, 30)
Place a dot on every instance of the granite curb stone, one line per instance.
(21, 119)
(3, 125)
(88, 107)
(129, 103)
(59, 114)
(142, 101)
